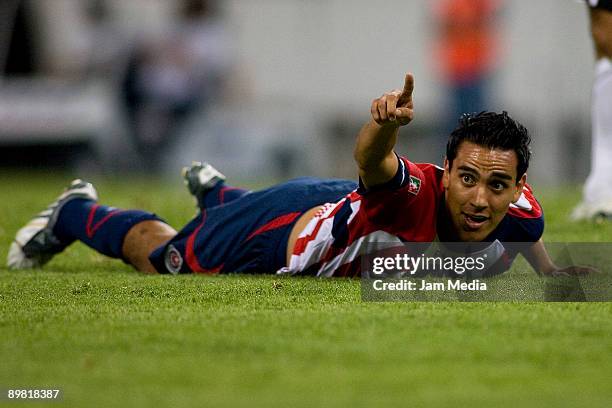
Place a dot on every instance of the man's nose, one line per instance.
(479, 198)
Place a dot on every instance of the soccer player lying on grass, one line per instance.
(320, 227)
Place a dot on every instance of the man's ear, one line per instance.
(519, 188)
(446, 175)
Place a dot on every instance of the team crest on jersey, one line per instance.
(173, 260)
(414, 185)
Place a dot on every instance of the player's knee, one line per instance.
(603, 42)
(142, 239)
(601, 30)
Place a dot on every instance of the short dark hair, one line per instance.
(495, 131)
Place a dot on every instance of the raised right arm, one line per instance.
(374, 154)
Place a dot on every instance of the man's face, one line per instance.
(479, 189)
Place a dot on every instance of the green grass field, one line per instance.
(108, 336)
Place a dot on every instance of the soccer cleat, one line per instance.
(592, 212)
(35, 244)
(201, 177)
(602, 217)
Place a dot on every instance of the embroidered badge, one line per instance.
(414, 185)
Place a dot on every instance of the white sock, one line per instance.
(598, 187)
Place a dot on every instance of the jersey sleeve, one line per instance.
(399, 180)
(405, 206)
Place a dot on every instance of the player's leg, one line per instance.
(127, 234)
(601, 28)
(208, 185)
(597, 200)
(142, 239)
(598, 188)
(249, 234)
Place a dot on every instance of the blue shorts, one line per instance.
(248, 234)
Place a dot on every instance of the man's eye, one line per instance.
(467, 179)
(498, 186)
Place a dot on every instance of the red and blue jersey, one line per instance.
(403, 210)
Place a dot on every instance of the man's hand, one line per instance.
(374, 149)
(538, 258)
(395, 107)
(574, 270)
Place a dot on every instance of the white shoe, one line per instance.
(35, 244)
(592, 212)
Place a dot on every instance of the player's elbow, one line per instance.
(366, 163)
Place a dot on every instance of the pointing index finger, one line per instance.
(406, 96)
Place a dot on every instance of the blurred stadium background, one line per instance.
(269, 89)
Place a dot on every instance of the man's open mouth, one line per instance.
(474, 221)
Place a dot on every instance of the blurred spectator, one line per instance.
(168, 78)
(17, 42)
(103, 43)
(466, 53)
